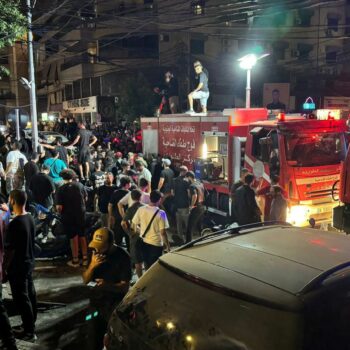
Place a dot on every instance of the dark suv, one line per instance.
(261, 288)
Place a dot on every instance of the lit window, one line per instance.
(197, 7)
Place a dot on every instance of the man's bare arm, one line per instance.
(75, 141)
(94, 140)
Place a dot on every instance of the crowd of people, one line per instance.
(136, 199)
(245, 195)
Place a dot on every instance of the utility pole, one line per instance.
(31, 72)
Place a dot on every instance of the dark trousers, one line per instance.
(195, 222)
(151, 254)
(24, 298)
(6, 334)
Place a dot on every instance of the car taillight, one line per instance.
(106, 341)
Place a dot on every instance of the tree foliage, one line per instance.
(136, 98)
(12, 22)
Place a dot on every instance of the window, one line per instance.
(92, 52)
(303, 18)
(279, 53)
(68, 92)
(197, 46)
(197, 7)
(258, 133)
(77, 89)
(331, 57)
(226, 46)
(95, 86)
(308, 150)
(332, 23)
(85, 87)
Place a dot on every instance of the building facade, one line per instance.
(90, 49)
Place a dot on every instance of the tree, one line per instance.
(136, 98)
(12, 24)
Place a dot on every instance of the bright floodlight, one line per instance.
(248, 61)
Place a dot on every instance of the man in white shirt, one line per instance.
(153, 223)
(15, 160)
(143, 173)
(128, 201)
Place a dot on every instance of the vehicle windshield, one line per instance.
(306, 150)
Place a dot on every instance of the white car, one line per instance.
(48, 137)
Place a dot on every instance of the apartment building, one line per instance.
(91, 47)
(12, 94)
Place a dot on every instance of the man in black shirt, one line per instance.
(181, 192)
(70, 203)
(114, 218)
(245, 205)
(31, 168)
(19, 264)
(83, 138)
(234, 188)
(103, 197)
(197, 208)
(98, 177)
(172, 91)
(110, 272)
(166, 177)
(60, 149)
(42, 188)
(6, 333)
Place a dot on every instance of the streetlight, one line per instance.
(247, 62)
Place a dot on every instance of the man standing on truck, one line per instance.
(201, 92)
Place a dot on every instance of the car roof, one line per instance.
(274, 263)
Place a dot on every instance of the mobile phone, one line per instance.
(92, 284)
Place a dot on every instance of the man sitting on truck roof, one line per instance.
(201, 92)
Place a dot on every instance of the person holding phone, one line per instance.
(108, 274)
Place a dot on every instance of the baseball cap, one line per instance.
(101, 239)
(190, 174)
(166, 161)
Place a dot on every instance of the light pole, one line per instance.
(248, 62)
(31, 84)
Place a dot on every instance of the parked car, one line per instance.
(258, 288)
(46, 136)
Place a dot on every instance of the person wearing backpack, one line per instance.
(14, 173)
(153, 223)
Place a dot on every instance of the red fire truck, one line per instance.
(305, 153)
